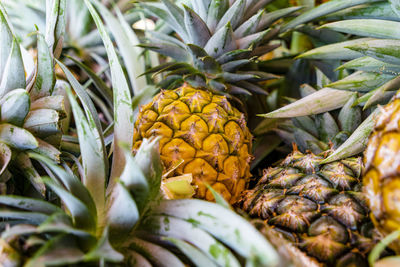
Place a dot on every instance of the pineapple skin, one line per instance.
(206, 132)
(318, 207)
(382, 177)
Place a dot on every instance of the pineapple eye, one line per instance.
(329, 227)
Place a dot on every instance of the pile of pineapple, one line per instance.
(199, 133)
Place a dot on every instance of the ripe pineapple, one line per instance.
(217, 40)
(381, 179)
(206, 132)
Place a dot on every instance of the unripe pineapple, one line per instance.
(382, 177)
(215, 51)
(318, 207)
(315, 203)
(203, 130)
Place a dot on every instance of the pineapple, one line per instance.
(315, 204)
(93, 218)
(201, 133)
(30, 106)
(376, 61)
(381, 176)
(206, 132)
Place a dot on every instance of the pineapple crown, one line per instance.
(374, 58)
(215, 39)
(31, 106)
(321, 132)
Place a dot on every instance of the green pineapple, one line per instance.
(317, 204)
(375, 57)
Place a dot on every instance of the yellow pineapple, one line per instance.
(382, 177)
(214, 46)
(203, 130)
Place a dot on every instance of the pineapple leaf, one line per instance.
(380, 92)
(387, 50)
(216, 10)
(102, 87)
(69, 181)
(5, 157)
(370, 64)
(193, 253)
(248, 41)
(357, 142)
(122, 213)
(104, 251)
(123, 112)
(18, 230)
(324, 9)
(30, 217)
(252, 6)
(338, 51)
(233, 15)
(93, 154)
(127, 42)
(395, 5)
(307, 124)
(197, 29)
(361, 81)
(324, 100)
(175, 13)
(14, 72)
(269, 18)
(375, 254)
(45, 77)
(375, 28)
(29, 204)
(147, 158)
(158, 255)
(54, 102)
(16, 137)
(221, 223)
(250, 26)
(201, 8)
(165, 16)
(378, 10)
(179, 229)
(219, 199)
(135, 181)
(221, 42)
(25, 164)
(42, 122)
(55, 24)
(7, 40)
(133, 258)
(48, 150)
(80, 213)
(60, 250)
(350, 116)
(167, 49)
(306, 141)
(15, 106)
